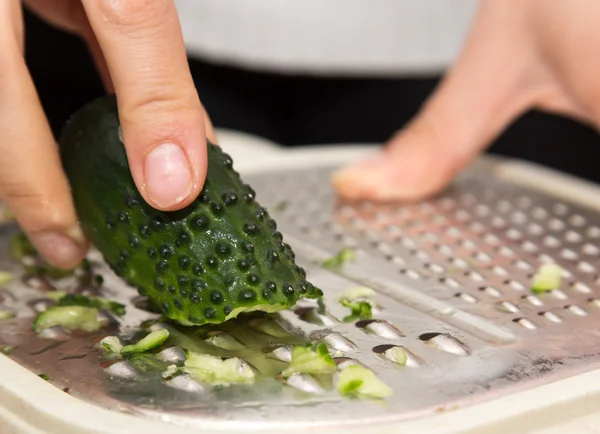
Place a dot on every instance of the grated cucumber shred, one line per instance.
(310, 360)
(149, 342)
(112, 344)
(216, 371)
(5, 277)
(548, 278)
(399, 355)
(70, 318)
(356, 381)
(347, 254)
(6, 314)
(359, 310)
(97, 302)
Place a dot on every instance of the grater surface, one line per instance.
(452, 277)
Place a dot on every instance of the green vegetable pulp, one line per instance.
(220, 256)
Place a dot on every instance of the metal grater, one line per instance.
(452, 276)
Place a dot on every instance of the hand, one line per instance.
(521, 54)
(139, 50)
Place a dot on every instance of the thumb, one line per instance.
(481, 94)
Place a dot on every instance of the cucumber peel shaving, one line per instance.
(359, 310)
(310, 360)
(356, 381)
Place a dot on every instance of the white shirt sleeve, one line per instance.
(350, 37)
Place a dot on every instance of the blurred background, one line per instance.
(263, 92)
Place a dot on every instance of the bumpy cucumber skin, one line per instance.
(199, 264)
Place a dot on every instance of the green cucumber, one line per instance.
(207, 263)
(310, 359)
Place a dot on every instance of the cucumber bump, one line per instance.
(207, 263)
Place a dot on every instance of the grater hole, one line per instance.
(577, 220)
(594, 302)
(491, 291)
(528, 246)
(525, 323)
(387, 352)
(482, 257)
(532, 300)
(380, 328)
(476, 227)
(539, 213)
(311, 315)
(504, 206)
(449, 281)
(550, 316)
(518, 218)
(524, 202)
(506, 251)
(581, 287)
(173, 354)
(466, 297)
(280, 352)
(590, 249)
(445, 342)
(498, 222)
(120, 369)
(305, 383)
(593, 232)
(556, 225)
(507, 307)
(458, 263)
(569, 254)
(518, 286)
(334, 340)
(475, 276)
(499, 270)
(585, 267)
(468, 244)
(576, 310)
(482, 210)
(344, 362)
(573, 237)
(436, 268)
(550, 241)
(560, 209)
(514, 234)
(186, 383)
(535, 229)
(522, 265)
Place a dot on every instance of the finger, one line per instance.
(31, 180)
(480, 95)
(159, 109)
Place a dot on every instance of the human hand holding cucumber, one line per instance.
(139, 51)
(521, 54)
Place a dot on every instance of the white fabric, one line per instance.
(390, 37)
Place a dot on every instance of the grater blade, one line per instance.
(452, 276)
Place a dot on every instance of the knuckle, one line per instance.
(33, 208)
(159, 104)
(133, 13)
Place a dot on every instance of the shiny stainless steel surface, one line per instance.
(452, 276)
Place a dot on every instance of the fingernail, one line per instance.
(58, 249)
(168, 175)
